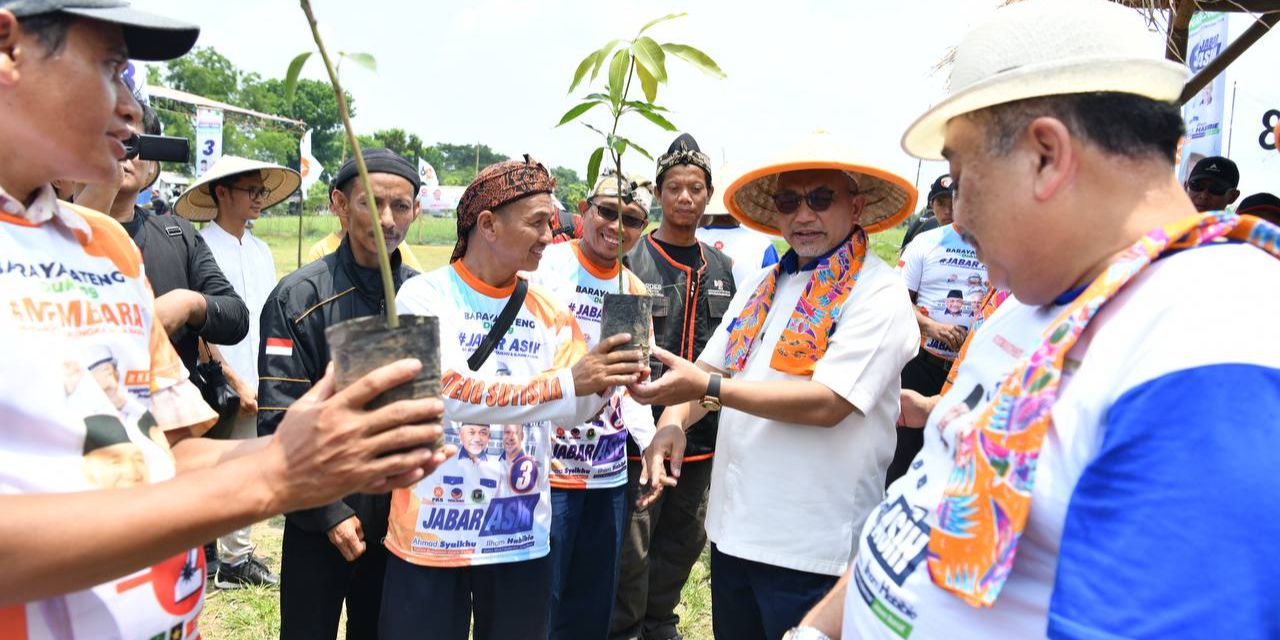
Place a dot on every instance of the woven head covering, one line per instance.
(684, 151)
(496, 185)
(634, 189)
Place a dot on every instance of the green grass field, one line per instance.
(254, 614)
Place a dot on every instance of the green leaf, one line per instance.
(602, 97)
(695, 57)
(573, 113)
(603, 134)
(669, 16)
(365, 60)
(647, 83)
(291, 77)
(601, 54)
(578, 75)
(644, 106)
(650, 56)
(636, 147)
(657, 119)
(593, 166)
(618, 76)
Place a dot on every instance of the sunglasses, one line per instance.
(1212, 186)
(611, 215)
(820, 199)
(256, 193)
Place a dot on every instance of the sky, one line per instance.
(497, 71)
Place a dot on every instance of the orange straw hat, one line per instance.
(890, 198)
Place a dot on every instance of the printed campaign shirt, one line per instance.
(593, 454)
(948, 279)
(492, 502)
(1150, 490)
(88, 386)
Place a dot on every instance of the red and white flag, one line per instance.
(279, 347)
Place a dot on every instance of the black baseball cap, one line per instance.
(1264, 205)
(148, 36)
(940, 187)
(1217, 168)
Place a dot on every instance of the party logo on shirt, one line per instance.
(900, 539)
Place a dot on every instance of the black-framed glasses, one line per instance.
(819, 200)
(257, 193)
(611, 215)
(1206, 184)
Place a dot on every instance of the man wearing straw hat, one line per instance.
(76, 560)
(1102, 466)
(232, 193)
(804, 371)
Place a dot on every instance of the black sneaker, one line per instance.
(250, 573)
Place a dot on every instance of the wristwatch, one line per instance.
(711, 401)
(805, 633)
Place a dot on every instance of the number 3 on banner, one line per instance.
(1270, 128)
(208, 147)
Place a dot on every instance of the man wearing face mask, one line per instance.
(692, 283)
(334, 553)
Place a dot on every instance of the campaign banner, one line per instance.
(1203, 114)
(427, 174)
(208, 138)
(440, 198)
(308, 167)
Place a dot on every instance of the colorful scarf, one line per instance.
(987, 499)
(804, 341)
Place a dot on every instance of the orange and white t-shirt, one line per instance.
(491, 503)
(592, 455)
(88, 386)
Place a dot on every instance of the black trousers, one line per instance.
(925, 374)
(315, 580)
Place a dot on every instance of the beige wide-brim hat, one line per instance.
(890, 198)
(1038, 48)
(196, 204)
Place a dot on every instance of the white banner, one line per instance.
(427, 174)
(440, 198)
(308, 166)
(208, 138)
(1203, 114)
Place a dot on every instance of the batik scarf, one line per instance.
(808, 331)
(987, 499)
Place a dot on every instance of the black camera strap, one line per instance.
(500, 325)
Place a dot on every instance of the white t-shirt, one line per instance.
(85, 369)
(792, 495)
(593, 454)
(948, 279)
(1154, 489)
(249, 267)
(491, 509)
(749, 249)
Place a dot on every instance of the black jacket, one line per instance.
(176, 257)
(689, 306)
(304, 304)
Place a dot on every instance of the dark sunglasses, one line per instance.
(629, 222)
(820, 199)
(1205, 184)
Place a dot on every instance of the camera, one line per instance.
(157, 148)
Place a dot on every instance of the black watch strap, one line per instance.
(713, 386)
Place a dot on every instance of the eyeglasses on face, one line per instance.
(819, 200)
(611, 215)
(1204, 184)
(256, 193)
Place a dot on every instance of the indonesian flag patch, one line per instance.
(279, 347)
